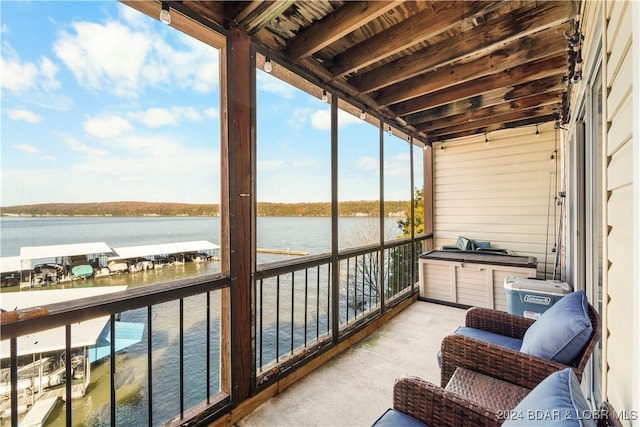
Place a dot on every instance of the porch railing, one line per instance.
(180, 351)
(294, 307)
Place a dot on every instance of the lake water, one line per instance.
(312, 235)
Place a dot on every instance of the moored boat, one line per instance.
(118, 266)
(82, 270)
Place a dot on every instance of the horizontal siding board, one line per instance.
(621, 128)
(620, 217)
(500, 192)
(589, 27)
(619, 36)
(620, 170)
(618, 253)
(621, 88)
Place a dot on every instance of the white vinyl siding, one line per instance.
(620, 215)
(501, 191)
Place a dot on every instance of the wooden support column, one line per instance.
(237, 201)
(335, 261)
(381, 230)
(428, 189)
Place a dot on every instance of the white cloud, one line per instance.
(24, 115)
(81, 147)
(94, 53)
(17, 76)
(267, 165)
(156, 117)
(268, 83)
(96, 57)
(106, 127)
(212, 113)
(321, 119)
(397, 165)
(367, 163)
(26, 148)
(345, 119)
(299, 117)
(48, 71)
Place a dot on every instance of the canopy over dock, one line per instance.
(83, 333)
(10, 264)
(128, 252)
(30, 253)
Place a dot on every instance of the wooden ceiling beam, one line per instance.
(483, 124)
(529, 121)
(255, 15)
(473, 116)
(416, 29)
(528, 49)
(523, 73)
(181, 20)
(550, 16)
(348, 18)
(495, 97)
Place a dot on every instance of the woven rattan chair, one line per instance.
(435, 406)
(511, 365)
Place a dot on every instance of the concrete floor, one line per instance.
(356, 387)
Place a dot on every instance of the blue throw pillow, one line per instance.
(562, 331)
(556, 401)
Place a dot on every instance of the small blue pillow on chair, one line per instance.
(556, 401)
(562, 331)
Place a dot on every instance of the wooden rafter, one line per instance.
(348, 18)
(483, 38)
(431, 67)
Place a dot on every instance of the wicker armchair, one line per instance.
(511, 365)
(436, 406)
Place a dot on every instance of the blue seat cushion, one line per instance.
(562, 331)
(393, 418)
(556, 401)
(504, 341)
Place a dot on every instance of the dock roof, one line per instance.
(82, 334)
(53, 251)
(163, 249)
(10, 264)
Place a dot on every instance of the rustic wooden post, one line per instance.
(427, 196)
(237, 200)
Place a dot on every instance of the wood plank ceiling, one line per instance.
(436, 69)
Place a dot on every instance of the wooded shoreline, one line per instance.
(131, 209)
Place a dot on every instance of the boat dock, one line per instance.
(39, 412)
(41, 265)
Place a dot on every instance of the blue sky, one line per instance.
(103, 103)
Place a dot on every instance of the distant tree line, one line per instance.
(350, 208)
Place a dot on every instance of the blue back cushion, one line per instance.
(556, 401)
(562, 331)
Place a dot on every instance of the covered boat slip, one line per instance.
(28, 254)
(91, 339)
(84, 334)
(164, 249)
